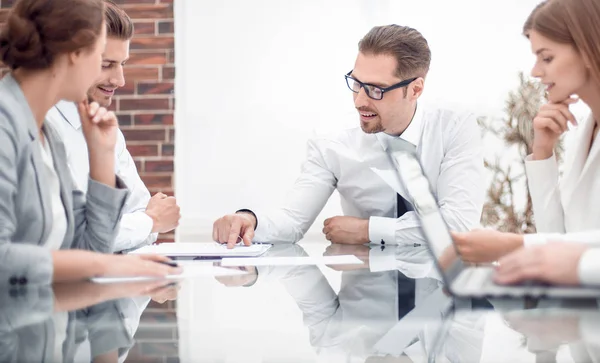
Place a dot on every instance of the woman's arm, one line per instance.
(77, 265)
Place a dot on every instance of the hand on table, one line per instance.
(485, 245)
(346, 230)
(230, 228)
(164, 211)
(555, 263)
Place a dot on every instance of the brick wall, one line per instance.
(145, 105)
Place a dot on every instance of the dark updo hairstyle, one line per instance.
(36, 31)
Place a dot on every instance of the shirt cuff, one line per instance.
(145, 224)
(587, 270)
(382, 259)
(534, 239)
(544, 170)
(382, 230)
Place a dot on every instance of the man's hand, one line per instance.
(346, 230)
(555, 263)
(230, 228)
(485, 245)
(164, 211)
(99, 127)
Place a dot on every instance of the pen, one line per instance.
(169, 263)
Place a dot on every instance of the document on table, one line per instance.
(292, 261)
(190, 269)
(203, 249)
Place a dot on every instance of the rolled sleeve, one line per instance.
(588, 270)
(97, 215)
(111, 199)
(382, 230)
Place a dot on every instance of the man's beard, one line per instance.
(373, 129)
(102, 103)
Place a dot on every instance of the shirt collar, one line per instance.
(412, 134)
(68, 111)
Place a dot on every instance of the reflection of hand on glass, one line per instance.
(166, 293)
(549, 329)
(73, 296)
(239, 280)
(110, 357)
(360, 251)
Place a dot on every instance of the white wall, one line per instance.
(254, 78)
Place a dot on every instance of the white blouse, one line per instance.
(55, 240)
(59, 216)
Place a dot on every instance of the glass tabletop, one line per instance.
(392, 307)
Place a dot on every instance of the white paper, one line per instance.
(202, 249)
(189, 270)
(292, 261)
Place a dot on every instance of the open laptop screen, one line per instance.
(433, 226)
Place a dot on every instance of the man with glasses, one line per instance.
(387, 80)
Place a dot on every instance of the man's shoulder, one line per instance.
(434, 114)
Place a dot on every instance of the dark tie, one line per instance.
(406, 285)
(402, 205)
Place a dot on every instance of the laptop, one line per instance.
(463, 280)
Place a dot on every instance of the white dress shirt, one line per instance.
(136, 226)
(567, 211)
(448, 145)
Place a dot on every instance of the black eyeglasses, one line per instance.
(374, 92)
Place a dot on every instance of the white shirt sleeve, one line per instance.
(460, 190)
(382, 259)
(542, 179)
(302, 204)
(589, 267)
(587, 237)
(136, 226)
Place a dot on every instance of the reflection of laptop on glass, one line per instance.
(462, 280)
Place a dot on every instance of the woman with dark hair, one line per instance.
(564, 36)
(54, 49)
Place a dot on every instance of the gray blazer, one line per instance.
(25, 210)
